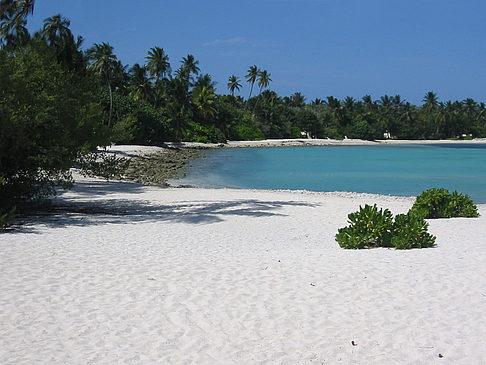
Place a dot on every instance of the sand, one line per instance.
(132, 274)
(308, 142)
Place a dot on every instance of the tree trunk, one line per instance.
(111, 99)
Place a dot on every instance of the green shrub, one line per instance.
(410, 231)
(439, 203)
(369, 227)
(203, 134)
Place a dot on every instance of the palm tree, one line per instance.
(430, 101)
(263, 81)
(13, 34)
(189, 65)
(56, 30)
(178, 116)
(251, 77)
(16, 9)
(140, 85)
(205, 81)
(203, 100)
(233, 84)
(349, 103)
(120, 76)
(103, 60)
(397, 100)
(297, 99)
(157, 63)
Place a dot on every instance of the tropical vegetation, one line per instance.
(371, 227)
(440, 203)
(61, 99)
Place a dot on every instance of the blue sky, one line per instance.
(317, 47)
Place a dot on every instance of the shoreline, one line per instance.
(166, 166)
(316, 142)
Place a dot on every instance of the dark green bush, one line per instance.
(439, 203)
(369, 227)
(203, 134)
(410, 231)
(49, 115)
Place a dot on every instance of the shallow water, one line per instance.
(402, 170)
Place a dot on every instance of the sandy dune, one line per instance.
(129, 274)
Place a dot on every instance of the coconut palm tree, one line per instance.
(205, 81)
(178, 116)
(157, 63)
(13, 34)
(189, 65)
(56, 30)
(16, 9)
(233, 84)
(251, 77)
(430, 101)
(102, 62)
(203, 100)
(297, 99)
(120, 76)
(263, 81)
(140, 85)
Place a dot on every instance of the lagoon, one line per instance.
(402, 170)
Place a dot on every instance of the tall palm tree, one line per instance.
(16, 9)
(157, 63)
(233, 84)
(140, 85)
(120, 76)
(56, 30)
(102, 62)
(297, 99)
(203, 100)
(397, 100)
(13, 34)
(251, 77)
(178, 116)
(205, 81)
(349, 103)
(263, 81)
(430, 101)
(189, 65)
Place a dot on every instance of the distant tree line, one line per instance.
(58, 101)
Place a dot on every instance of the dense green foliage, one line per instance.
(370, 227)
(440, 203)
(410, 231)
(48, 116)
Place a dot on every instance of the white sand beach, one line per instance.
(312, 142)
(132, 274)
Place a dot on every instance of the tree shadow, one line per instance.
(103, 188)
(65, 212)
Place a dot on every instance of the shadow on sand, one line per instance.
(66, 211)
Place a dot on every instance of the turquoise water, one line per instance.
(403, 170)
